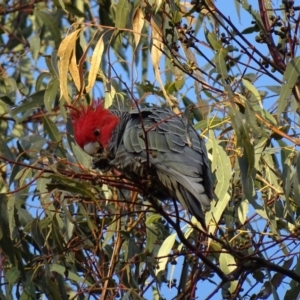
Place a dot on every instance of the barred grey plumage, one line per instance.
(180, 171)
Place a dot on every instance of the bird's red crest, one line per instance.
(87, 120)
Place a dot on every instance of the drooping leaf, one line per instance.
(49, 21)
(290, 77)
(95, 63)
(64, 52)
(164, 251)
(52, 130)
(122, 13)
(31, 102)
(137, 25)
(213, 41)
(61, 270)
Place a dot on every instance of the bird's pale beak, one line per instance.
(92, 148)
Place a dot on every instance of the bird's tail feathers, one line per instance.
(187, 190)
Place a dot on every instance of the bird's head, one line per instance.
(93, 126)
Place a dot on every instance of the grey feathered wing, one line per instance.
(181, 169)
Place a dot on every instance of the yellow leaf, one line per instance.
(137, 25)
(156, 54)
(95, 62)
(158, 5)
(110, 91)
(75, 71)
(156, 44)
(109, 95)
(164, 251)
(64, 53)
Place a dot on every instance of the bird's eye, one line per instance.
(97, 132)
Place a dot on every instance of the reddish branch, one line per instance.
(111, 180)
(18, 7)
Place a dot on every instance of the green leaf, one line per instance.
(227, 265)
(81, 156)
(271, 286)
(152, 233)
(179, 83)
(31, 145)
(251, 125)
(259, 276)
(51, 62)
(213, 123)
(254, 91)
(40, 84)
(51, 93)
(23, 89)
(36, 232)
(227, 262)
(33, 101)
(242, 210)
(249, 30)
(81, 189)
(127, 294)
(11, 217)
(244, 143)
(184, 273)
(28, 291)
(293, 292)
(91, 224)
(196, 111)
(122, 13)
(5, 151)
(296, 182)
(23, 214)
(70, 7)
(254, 13)
(246, 158)
(52, 291)
(8, 87)
(23, 175)
(57, 229)
(69, 222)
(164, 251)
(35, 45)
(290, 76)
(212, 39)
(274, 88)
(71, 275)
(222, 168)
(111, 230)
(5, 240)
(286, 155)
(52, 130)
(220, 64)
(153, 218)
(12, 275)
(51, 23)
